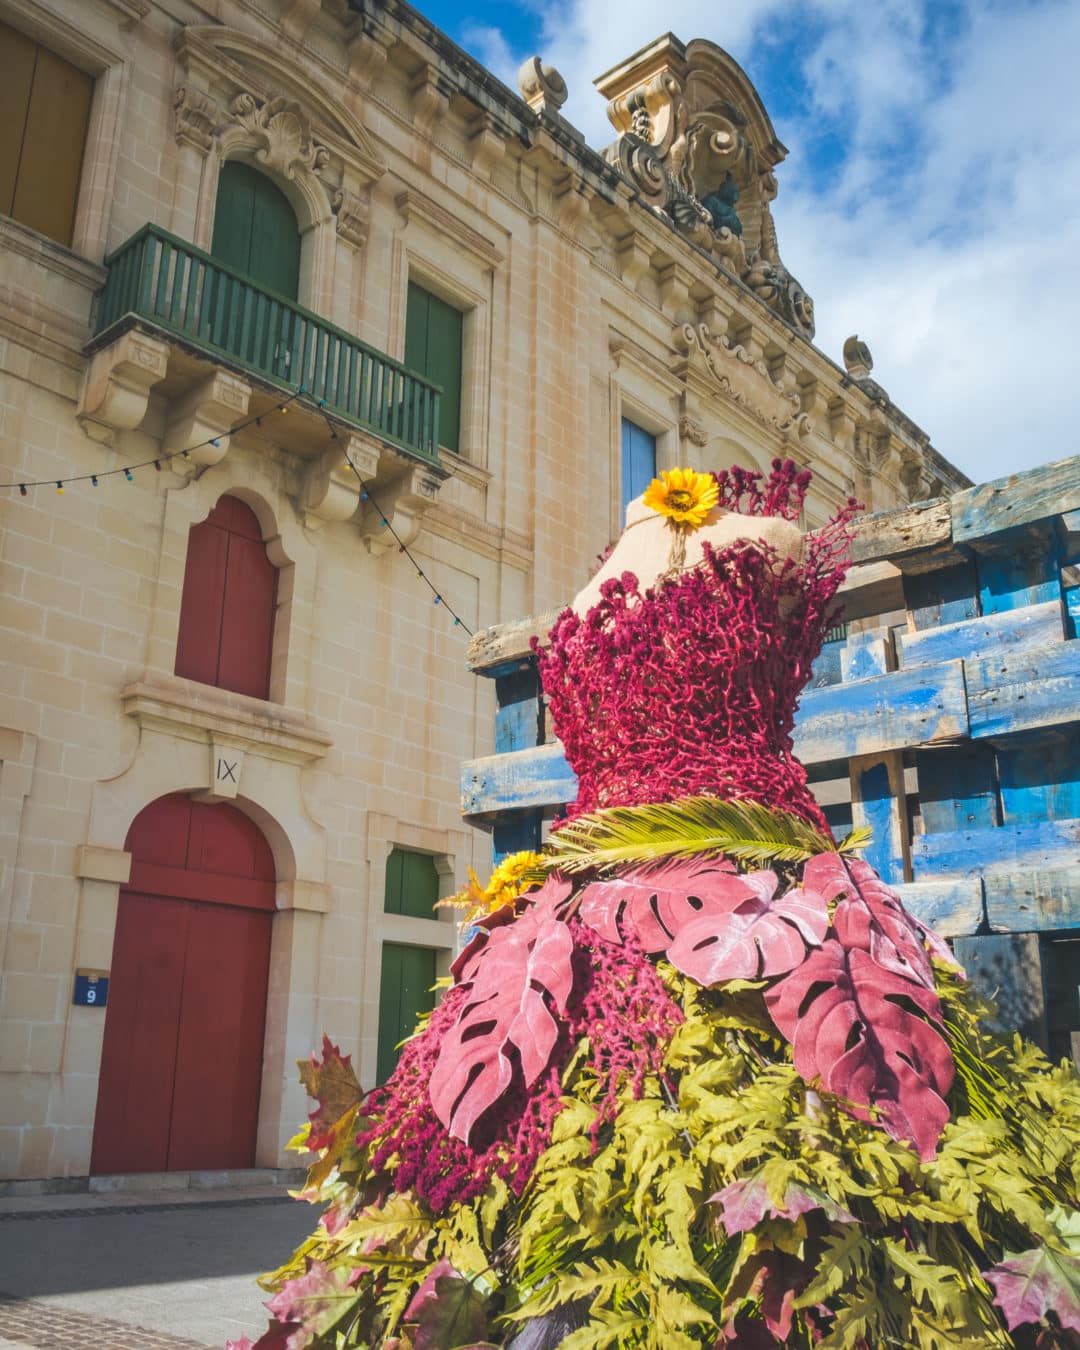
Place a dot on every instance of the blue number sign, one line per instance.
(91, 988)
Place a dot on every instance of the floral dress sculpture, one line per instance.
(698, 1079)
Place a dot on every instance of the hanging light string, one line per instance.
(128, 470)
(366, 495)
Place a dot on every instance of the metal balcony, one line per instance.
(159, 280)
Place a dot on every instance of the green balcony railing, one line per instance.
(181, 289)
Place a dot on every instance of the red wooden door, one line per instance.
(182, 1057)
(227, 608)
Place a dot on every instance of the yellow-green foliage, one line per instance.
(889, 1254)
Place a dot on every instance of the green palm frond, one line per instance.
(640, 834)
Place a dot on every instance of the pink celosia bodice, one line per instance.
(691, 688)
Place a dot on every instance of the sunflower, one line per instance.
(507, 882)
(684, 496)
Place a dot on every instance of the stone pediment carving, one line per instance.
(283, 140)
(222, 63)
(695, 140)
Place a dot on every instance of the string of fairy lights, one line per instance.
(128, 471)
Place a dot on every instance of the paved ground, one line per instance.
(147, 1272)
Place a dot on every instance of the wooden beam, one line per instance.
(952, 908)
(1034, 626)
(1034, 846)
(507, 643)
(519, 780)
(925, 528)
(923, 706)
(1033, 901)
(1020, 499)
(1023, 689)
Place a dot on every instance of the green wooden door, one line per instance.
(433, 348)
(255, 229)
(412, 884)
(404, 993)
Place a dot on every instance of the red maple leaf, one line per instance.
(518, 976)
(332, 1082)
(1030, 1284)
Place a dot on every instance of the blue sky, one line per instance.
(931, 198)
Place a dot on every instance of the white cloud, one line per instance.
(949, 235)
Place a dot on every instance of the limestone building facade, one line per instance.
(273, 273)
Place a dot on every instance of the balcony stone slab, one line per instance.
(116, 387)
(200, 422)
(403, 493)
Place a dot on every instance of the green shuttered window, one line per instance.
(433, 348)
(255, 229)
(412, 888)
(44, 108)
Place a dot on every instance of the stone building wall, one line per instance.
(583, 303)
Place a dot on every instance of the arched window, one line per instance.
(255, 229)
(227, 609)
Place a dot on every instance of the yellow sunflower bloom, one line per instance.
(507, 882)
(684, 496)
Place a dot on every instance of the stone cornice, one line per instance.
(412, 203)
(198, 712)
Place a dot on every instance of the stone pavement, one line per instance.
(156, 1271)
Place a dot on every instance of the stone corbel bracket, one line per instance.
(116, 387)
(332, 487)
(487, 145)
(201, 422)
(429, 100)
(402, 502)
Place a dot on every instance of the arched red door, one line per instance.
(182, 1059)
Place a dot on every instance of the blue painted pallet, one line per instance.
(960, 731)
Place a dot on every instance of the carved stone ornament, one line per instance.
(285, 144)
(690, 429)
(195, 117)
(857, 359)
(735, 373)
(352, 212)
(696, 142)
(541, 85)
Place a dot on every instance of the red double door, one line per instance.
(181, 1063)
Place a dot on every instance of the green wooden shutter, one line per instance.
(433, 337)
(44, 110)
(404, 993)
(255, 229)
(412, 884)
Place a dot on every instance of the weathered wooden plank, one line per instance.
(896, 535)
(923, 706)
(1035, 846)
(1039, 776)
(1021, 690)
(877, 800)
(1019, 499)
(1022, 568)
(1007, 968)
(942, 596)
(952, 908)
(517, 725)
(957, 789)
(507, 642)
(1033, 901)
(521, 831)
(989, 635)
(866, 654)
(519, 780)
(871, 589)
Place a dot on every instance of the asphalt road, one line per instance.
(142, 1275)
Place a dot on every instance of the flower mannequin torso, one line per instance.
(648, 546)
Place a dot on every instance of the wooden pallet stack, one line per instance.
(945, 714)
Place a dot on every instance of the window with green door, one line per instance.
(407, 973)
(255, 229)
(433, 347)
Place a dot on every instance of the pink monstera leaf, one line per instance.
(762, 937)
(653, 903)
(870, 916)
(1030, 1284)
(865, 1032)
(519, 975)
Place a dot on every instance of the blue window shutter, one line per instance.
(638, 461)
